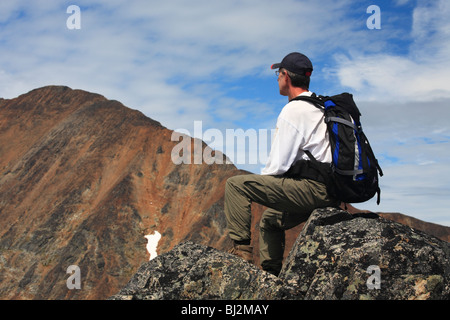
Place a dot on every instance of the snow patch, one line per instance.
(152, 244)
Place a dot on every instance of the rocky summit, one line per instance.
(364, 256)
(336, 256)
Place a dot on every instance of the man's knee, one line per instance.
(232, 182)
(236, 183)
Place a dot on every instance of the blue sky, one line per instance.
(184, 61)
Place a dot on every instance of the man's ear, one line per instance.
(287, 78)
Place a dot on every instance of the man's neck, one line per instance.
(295, 92)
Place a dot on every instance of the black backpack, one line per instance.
(352, 177)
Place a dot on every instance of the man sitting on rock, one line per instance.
(290, 200)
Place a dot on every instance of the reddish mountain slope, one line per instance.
(82, 180)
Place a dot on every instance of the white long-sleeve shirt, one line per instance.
(300, 126)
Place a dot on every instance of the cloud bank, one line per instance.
(180, 62)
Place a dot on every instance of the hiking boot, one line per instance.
(243, 251)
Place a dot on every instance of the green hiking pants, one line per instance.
(289, 201)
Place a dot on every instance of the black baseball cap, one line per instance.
(297, 63)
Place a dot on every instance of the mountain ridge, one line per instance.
(83, 179)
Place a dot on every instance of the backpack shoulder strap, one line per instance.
(314, 99)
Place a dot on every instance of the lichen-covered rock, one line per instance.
(192, 271)
(343, 256)
(336, 256)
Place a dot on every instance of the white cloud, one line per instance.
(412, 143)
(386, 77)
(421, 75)
(181, 61)
(154, 56)
(414, 190)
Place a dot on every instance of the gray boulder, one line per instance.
(336, 256)
(344, 256)
(192, 271)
